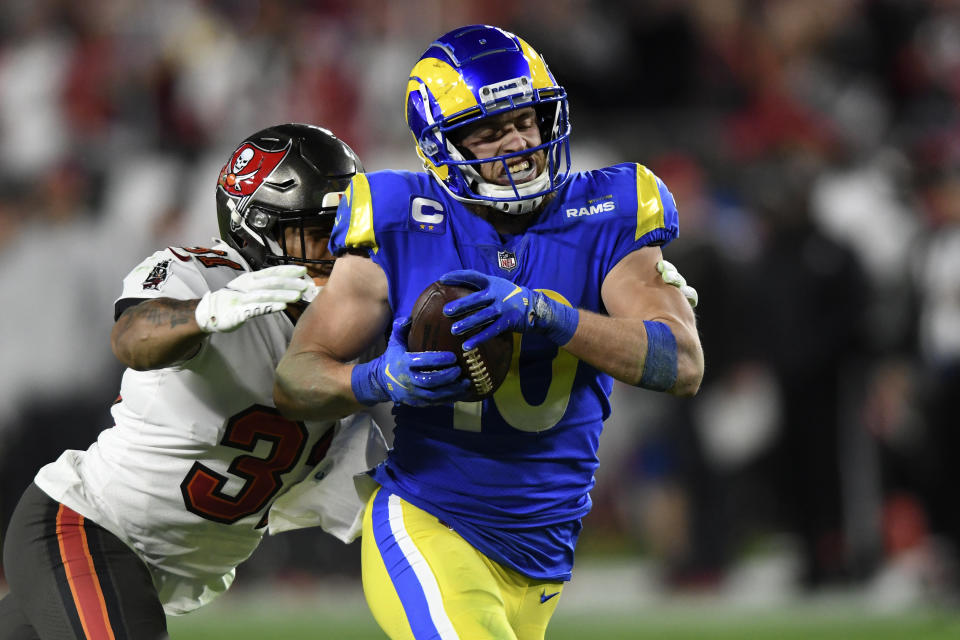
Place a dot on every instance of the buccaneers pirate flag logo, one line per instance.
(248, 168)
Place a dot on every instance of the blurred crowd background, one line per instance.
(813, 148)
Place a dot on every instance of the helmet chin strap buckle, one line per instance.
(238, 222)
(235, 218)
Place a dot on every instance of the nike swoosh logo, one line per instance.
(544, 597)
(513, 293)
(390, 375)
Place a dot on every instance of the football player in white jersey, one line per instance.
(155, 516)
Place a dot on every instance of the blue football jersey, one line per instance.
(512, 473)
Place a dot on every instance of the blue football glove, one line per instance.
(501, 305)
(418, 378)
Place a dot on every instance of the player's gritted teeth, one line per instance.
(521, 170)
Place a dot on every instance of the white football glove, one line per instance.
(672, 277)
(250, 295)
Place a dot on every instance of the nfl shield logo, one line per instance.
(507, 260)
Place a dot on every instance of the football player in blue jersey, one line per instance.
(472, 521)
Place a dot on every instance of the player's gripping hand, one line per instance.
(501, 305)
(672, 277)
(252, 294)
(415, 378)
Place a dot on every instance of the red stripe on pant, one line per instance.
(82, 575)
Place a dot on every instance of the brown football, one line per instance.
(486, 365)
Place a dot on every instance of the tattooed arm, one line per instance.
(157, 333)
(163, 331)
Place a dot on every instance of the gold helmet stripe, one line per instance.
(539, 74)
(444, 83)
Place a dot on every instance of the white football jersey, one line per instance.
(198, 452)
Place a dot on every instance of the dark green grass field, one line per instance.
(343, 616)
